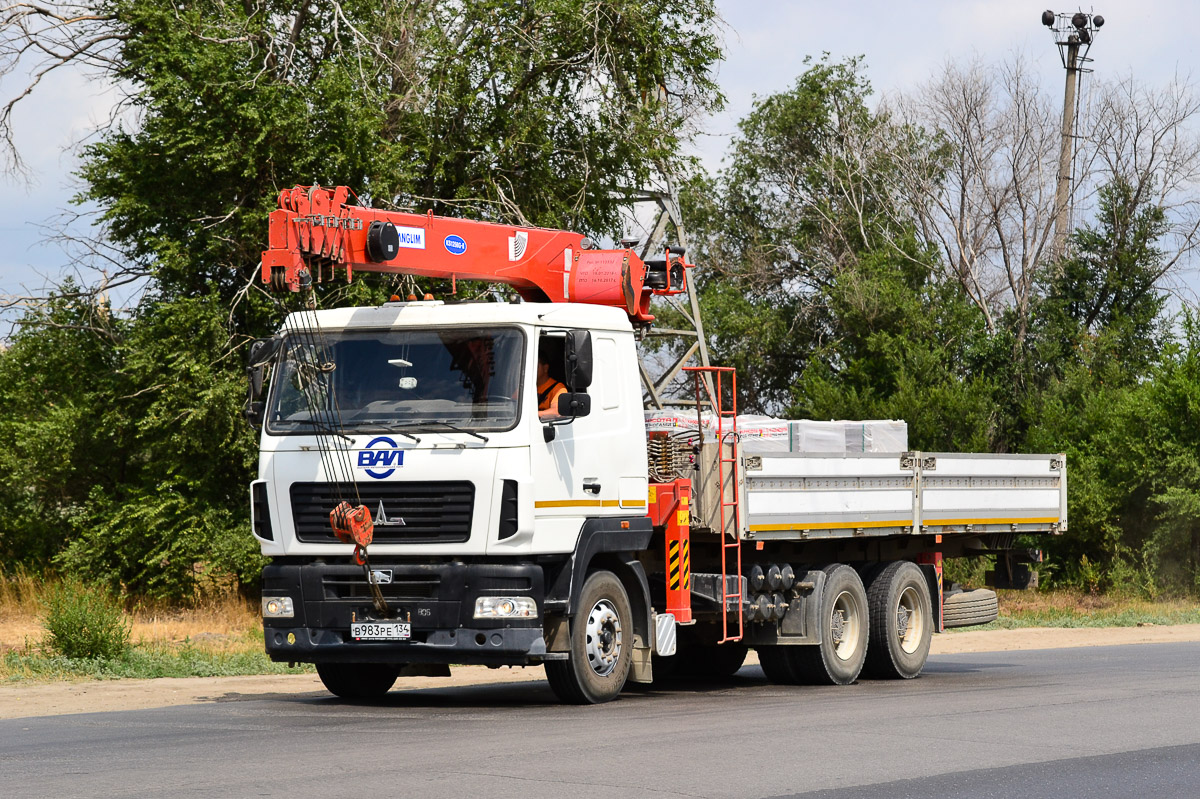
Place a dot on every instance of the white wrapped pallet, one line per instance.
(763, 433)
(677, 420)
(847, 437)
(809, 435)
(885, 435)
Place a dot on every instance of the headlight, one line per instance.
(505, 607)
(279, 607)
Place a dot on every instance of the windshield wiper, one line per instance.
(388, 424)
(322, 427)
(454, 429)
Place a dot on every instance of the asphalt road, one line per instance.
(1091, 722)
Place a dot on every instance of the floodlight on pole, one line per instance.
(1071, 31)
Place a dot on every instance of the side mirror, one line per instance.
(574, 405)
(262, 350)
(254, 414)
(577, 366)
(256, 375)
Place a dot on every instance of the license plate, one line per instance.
(381, 631)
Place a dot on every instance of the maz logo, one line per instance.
(375, 456)
(382, 520)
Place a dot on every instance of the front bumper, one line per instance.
(437, 598)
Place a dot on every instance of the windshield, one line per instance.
(468, 378)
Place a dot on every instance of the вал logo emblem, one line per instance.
(381, 458)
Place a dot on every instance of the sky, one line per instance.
(904, 44)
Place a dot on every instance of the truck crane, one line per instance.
(418, 511)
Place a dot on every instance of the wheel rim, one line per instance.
(910, 622)
(603, 638)
(845, 625)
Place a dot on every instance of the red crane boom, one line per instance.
(315, 231)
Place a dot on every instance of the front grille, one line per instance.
(353, 585)
(432, 512)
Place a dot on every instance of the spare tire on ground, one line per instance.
(969, 608)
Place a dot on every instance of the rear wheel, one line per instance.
(358, 680)
(901, 616)
(601, 645)
(838, 658)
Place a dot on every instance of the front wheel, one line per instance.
(601, 645)
(362, 681)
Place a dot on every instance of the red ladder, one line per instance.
(712, 379)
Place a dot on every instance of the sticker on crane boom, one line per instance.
(411, 238)
(516, 245)
(455, 245)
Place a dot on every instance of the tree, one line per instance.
(1107, 290)
(547, 112)
(794, 211)
(821, 292)
(59, 434)
(986, 196)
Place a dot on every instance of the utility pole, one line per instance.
(1069, 34)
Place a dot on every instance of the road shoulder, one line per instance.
(97, 696)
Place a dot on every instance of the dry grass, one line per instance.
(20, 594)
(220, 623)
(1073, 608)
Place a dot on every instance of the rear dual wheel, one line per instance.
(901, 622)
(839, 656)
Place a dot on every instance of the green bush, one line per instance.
(84, 621)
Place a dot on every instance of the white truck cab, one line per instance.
(427, 415)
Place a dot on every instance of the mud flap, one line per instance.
(639, 668)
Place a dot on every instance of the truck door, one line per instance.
(594, 465)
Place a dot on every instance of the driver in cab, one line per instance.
(549, 387)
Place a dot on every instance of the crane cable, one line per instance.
(314, 370)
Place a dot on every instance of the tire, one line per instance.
(779, 664)
(901, 615)
(839, 657)
(361, 681)
(601, 648)
(719, 662)
(969, 608)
